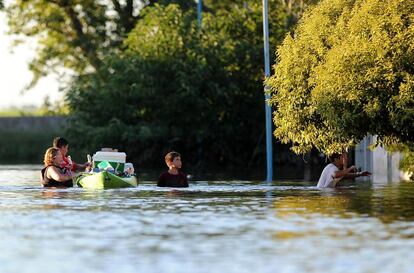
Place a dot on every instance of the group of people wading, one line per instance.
(59, 169)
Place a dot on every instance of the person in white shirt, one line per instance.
(337, 170)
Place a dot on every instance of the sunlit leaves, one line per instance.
(345, 72)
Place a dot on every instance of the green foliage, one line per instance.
(178, 87)
(69, 33)
(57, 108)
(48, 108)
(24, 111)
(73, 34)
(407, 162)
(28, 147)
(346, 71)
(76, 34)
(24, 146)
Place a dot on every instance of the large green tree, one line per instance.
(74, 34)
(77, 34)
(346, 71)
(180, 87)
(126, 94)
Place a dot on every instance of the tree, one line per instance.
(295, 9)
(72, 34)
(345, 72)
(407, 162)
(76, 34)
(178, 87)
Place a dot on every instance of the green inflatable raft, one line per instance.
(105, 180)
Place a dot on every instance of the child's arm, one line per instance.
(81, 167)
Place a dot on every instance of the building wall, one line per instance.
(383, 165)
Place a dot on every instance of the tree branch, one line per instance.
(86, 46)
(117, 6)
(126, 16)
(129, 8)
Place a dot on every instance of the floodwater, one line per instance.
(213, 226)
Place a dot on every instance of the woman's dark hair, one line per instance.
(59, 142)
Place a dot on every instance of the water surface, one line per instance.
(213, 226)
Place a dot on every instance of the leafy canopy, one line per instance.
(77, 34)
(346, 71)
(176, 86)
(73, 34)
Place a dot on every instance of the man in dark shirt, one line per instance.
(173, 177)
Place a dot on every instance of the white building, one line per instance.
(384, 166)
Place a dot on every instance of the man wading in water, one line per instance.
(173, 177)
(337, 170)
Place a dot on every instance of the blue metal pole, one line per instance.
(268, 110)
(199, 11)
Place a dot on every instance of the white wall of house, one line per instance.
(384, 166)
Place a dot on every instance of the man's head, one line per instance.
(339, 159)
(173, 159)
(62, 144)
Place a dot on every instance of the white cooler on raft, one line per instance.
(116, 159)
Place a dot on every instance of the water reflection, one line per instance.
(387, 203)
(54, 193)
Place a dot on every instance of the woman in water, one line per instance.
(52, 175)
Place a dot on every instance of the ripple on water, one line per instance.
(219, 226)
